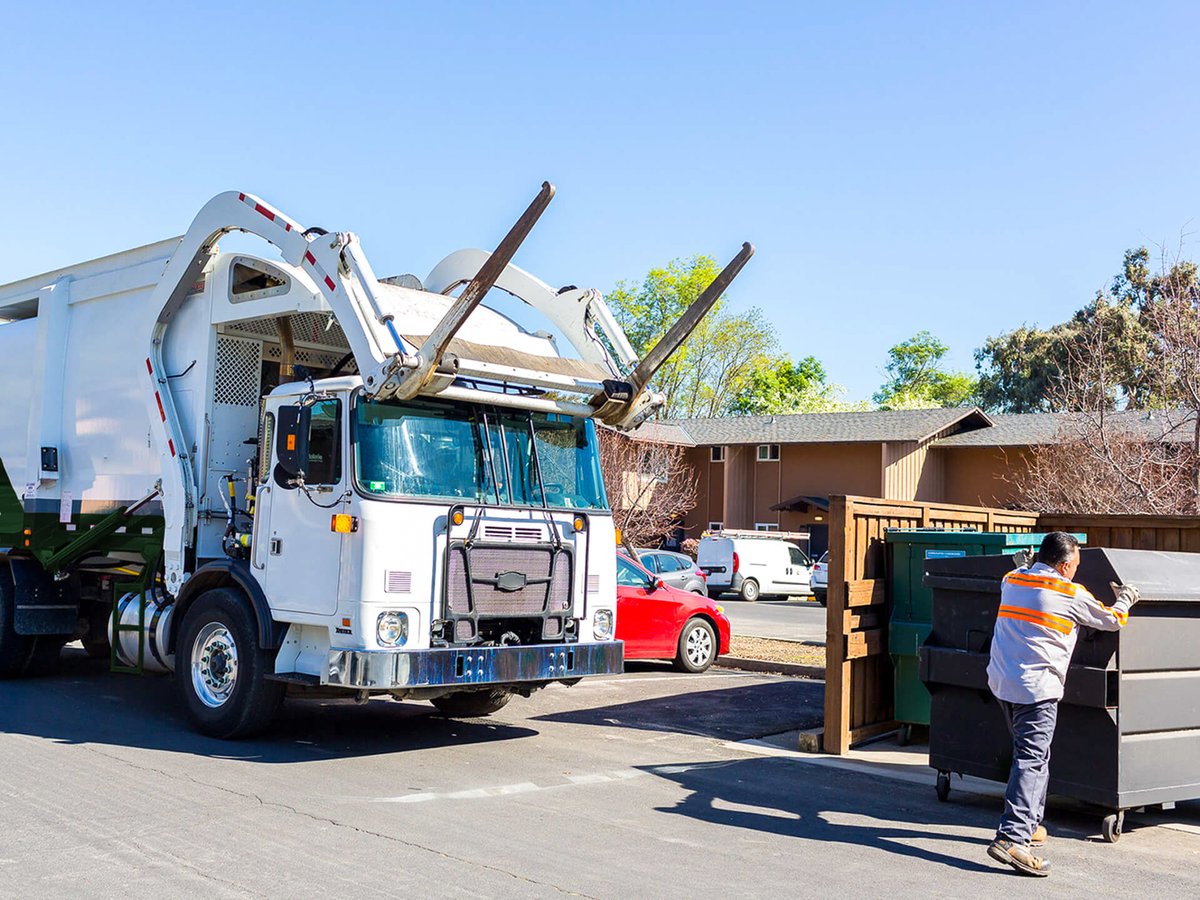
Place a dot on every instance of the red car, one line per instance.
(660, 622)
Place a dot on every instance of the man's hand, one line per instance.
(1126, 592)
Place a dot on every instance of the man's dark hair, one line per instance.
(1057, 547)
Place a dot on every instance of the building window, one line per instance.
(768, 453)
(716, 526)
(717, 454)
(766, 526)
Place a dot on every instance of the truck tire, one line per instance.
(221, 670)
(697, 646)
(472, 704)
(14, 648)
(750, 590)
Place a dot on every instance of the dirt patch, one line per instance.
(793, 652)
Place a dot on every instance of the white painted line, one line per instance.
(510, 790)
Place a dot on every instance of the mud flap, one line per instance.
(42, 605)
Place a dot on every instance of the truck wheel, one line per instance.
(14, 648)
(750, 590)
(221, 670)
(697, 646)
(471, 704)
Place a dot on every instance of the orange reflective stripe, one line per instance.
(1037, 617)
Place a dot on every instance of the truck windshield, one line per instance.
(432, 449)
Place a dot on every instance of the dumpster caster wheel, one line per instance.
(1111, 826)
(943, 786)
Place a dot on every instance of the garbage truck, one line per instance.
(273, 471)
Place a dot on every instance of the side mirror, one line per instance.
(291, 440)
(656, 583)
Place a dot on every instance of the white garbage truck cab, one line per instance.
(273, 471)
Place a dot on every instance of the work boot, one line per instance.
(1019, 857)
(1039, 837)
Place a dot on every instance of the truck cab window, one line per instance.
(324, 443)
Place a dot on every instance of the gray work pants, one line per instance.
(1032, 728)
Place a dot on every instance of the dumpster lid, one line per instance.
(1159, 576)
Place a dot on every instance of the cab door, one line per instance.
(297, 555)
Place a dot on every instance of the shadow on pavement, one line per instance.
(733, 713)
(84, 703)
(775, 796)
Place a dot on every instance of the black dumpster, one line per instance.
(1129, 724)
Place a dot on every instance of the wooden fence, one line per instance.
(858, 669)
(1180, 533)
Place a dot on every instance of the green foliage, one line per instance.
(1023, 370)
(707, 372)
(917, 379)
(780, 385)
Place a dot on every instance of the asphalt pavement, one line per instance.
(795, 619)
(640, 785)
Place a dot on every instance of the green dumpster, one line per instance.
(912, 602)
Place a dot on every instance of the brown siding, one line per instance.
(902, 465)
(818, 470)
(739, 486)
(980, 475)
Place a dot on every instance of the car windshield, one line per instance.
(432, 449)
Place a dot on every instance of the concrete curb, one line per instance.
(771, 668)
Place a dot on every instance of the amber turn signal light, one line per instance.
(343, 524)
(457, 517)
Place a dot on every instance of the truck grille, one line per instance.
(472, 576)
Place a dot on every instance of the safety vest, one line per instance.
(1036, 628)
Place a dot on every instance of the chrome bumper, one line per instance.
(389, 669)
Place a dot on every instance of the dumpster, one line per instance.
(909, 548)
(1128, 731)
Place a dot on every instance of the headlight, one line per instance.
(392, 628)
(602, 624)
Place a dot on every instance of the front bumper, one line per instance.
(391, 669)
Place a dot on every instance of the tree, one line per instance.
(704, 375)
(918, 380)
(1130, 386)
(779, 385)
(1018, 370)
(650, 486)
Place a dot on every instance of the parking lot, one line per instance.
(637, 785)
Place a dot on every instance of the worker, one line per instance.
(1041, 609)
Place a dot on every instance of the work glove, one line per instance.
(1126, 592)
(1023, 557)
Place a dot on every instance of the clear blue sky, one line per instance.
(961, 167)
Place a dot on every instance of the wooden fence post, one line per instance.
(837, 667)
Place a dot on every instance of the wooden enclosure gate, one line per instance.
(858, 668)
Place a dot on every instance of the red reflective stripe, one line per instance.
(171, 444)
(329, 281)
(149, 368)
(287, 226)
(258, 207)
(158, 400)
(312, 260)
(242, 197)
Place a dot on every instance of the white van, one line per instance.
(752, 566)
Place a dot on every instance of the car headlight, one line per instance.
(602, 624)
(392, 628)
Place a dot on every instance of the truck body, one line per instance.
(273, 469)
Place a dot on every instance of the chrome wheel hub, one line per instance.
(699, 646)
(214, 665)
